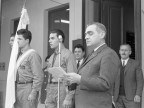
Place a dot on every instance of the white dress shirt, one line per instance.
(125, 61)
(80, 61)
(98, 46)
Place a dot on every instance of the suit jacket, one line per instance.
(133, 80)
(98, 73)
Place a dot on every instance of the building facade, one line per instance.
(124, 20)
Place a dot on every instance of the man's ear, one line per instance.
(102, 34)
(130, 52)
(27, 40)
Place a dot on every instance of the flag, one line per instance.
(11, 77)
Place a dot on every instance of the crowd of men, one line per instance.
(93, 80)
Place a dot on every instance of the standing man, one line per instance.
(96, 76)
(67, 62)
(29, 75)
(79, 53)
(131, 81)
(45, 81)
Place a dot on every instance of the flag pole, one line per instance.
(24, 3)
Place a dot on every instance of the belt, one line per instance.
(25, 82)
(72, 87)
(55, 82)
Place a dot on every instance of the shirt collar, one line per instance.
(57, 50)
(79, 60)
(126, 60)
(24, 50)
(99, 46)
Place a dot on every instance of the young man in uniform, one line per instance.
(29, 76)
(12, 37)
(68, 63)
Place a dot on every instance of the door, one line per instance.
(110, 13)
(58, 18)
(122, 20)
(112, 18)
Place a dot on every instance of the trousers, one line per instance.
(22, 93)
(52, 96)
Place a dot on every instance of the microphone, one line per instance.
(60, 38)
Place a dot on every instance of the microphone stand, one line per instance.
(58, 103)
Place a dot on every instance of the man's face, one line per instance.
(92, 36)
(53, 41)
(21, 41)
(78, 53)
(125, 51)
(11, 42)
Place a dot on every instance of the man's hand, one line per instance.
(31, 98)
(67, 104)
(73, 78)
(137, 98)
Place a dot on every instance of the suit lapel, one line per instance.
(128, 65)
(92, 55)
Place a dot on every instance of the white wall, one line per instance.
(142, 30)
(75, 20)
(11, 9)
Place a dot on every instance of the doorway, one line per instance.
(122, 20)
(58, 18)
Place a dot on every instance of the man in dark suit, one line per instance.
(79, 53)
(45, 81)
(96, 76)
(129, 88)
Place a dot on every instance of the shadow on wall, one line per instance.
(1, 100)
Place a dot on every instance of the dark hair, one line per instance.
(12, 35)
(125, 44)
(79, 46)
(47, 57)
(25, 33)
(59, 32)
(99, 27)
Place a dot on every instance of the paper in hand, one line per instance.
(57, 72)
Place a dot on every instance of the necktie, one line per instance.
(123, 64)
(78, 64)
(54, 58)
(122, 92)
(17, 74)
